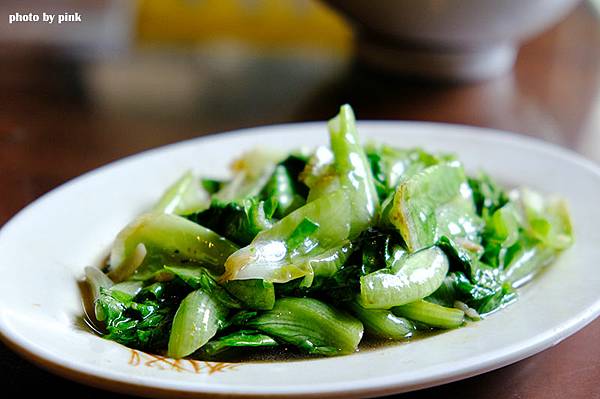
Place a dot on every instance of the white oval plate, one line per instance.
(44, 249)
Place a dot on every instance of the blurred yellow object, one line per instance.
(268, 24)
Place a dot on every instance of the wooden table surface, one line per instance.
(56, 123)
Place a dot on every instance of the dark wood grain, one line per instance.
(52, 129)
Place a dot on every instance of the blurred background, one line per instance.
(133, 75)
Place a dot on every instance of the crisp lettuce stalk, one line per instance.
(318, 170)
(269, 257)
(254, 294)
(131, 288)
(526, 259)
(339, 214)
(197, 320)
(168, 236)
(431, 314)
(251, 173)
(238, 339)
(391, 166)
(97, 280)
(312, 325)
(354, 171)
(434, 202)
(383, 323)
(183, 197)
(282, 190)
(547, 220)
(415, 277)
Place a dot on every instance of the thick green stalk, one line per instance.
(311, 325)
(416, 276)
(354, 170)
(431, 314)
(169, 236)
(197, 320)
(383, 323)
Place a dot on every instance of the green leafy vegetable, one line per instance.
(308, 249)
(502, 231)
(431, 314)
(460, 259)
(184, 196)
(525, 259)
(327, 263)
(238, 221)
(547, 220)
(197, 320)
(96, 280)
(379, 249)
(391, 166)
(417, 276)
(487, 195)
(169, 237)
(212, 186)
(131, 288)
(254, 294)
(351, 166)
(340, 214)
(318, 175)
(282, 189)
(300, 240)
(252, 171)
(140, 323)
(434, 202)
(200, 278)
(268, 256)
(383, 323)
(238, 339)
(311, 325)
(471, 281)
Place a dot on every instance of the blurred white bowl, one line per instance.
(449, 39)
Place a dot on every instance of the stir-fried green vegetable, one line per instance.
(383, 323)
(238, 339)
(417, 276)
(311, 325)
(184, 196)
(196, 321)
(305, 251)
(157, 238)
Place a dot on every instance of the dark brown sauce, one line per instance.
(288, 354)
(88, 317)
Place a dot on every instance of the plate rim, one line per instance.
(371, 386)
